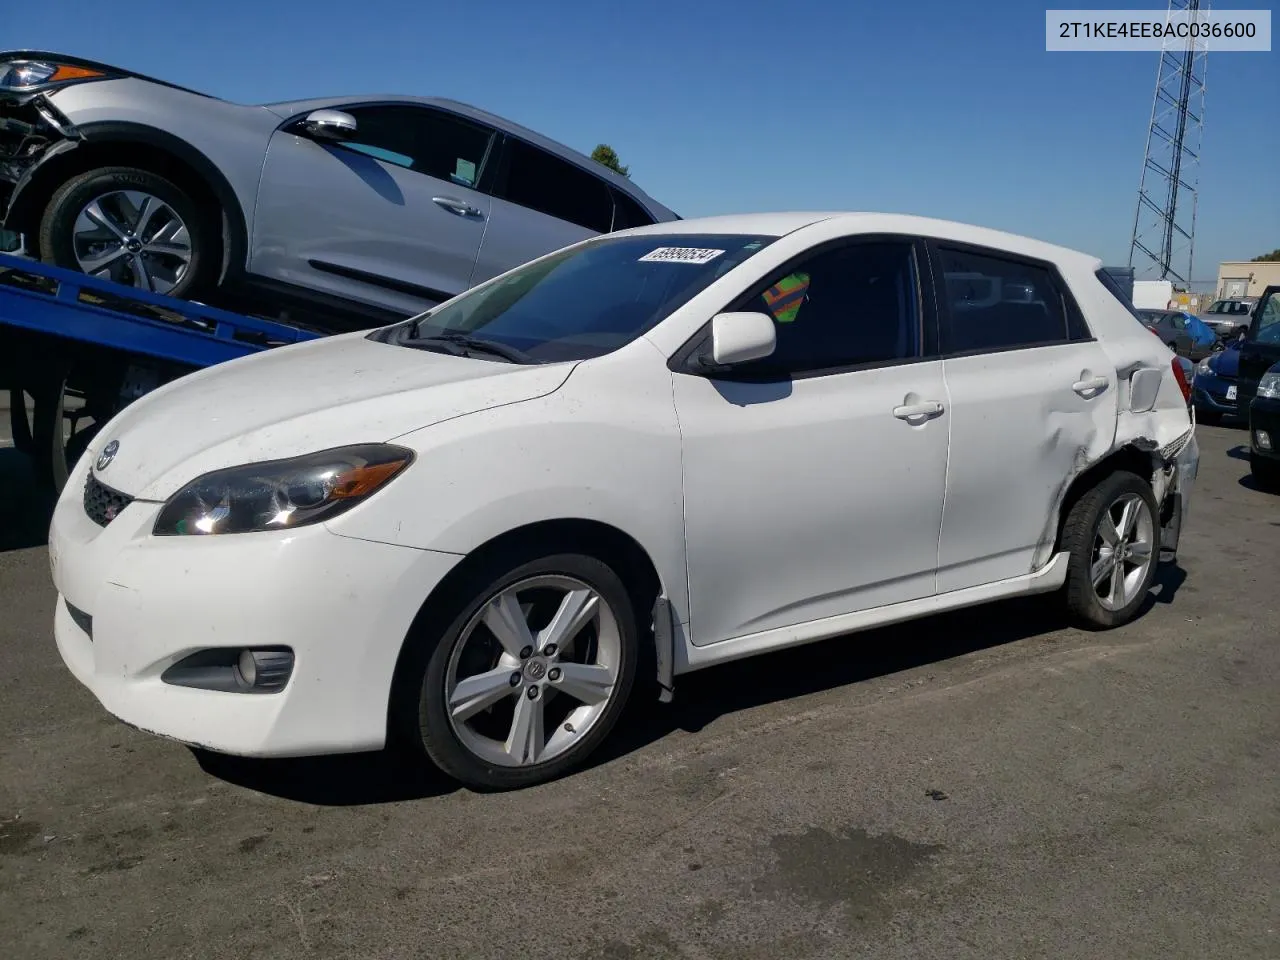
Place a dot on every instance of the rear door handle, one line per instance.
(1090, 386)
(454, 205)
(918, 411)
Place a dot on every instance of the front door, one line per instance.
(1032, 399)
(1261, 347)
(814, 478)
(391, 217)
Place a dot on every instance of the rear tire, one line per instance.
(155, 236)
(1101, 546)
(1265, 473)
(482, 749)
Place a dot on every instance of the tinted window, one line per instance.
(844, 307)
(1266, 328)
(542, 182)
(426, 141)
(992, 303)
(628, 213)
(594, 298)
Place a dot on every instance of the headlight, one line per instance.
(1204, 366)
(280, 494)
(26, 74)
(1269, 385)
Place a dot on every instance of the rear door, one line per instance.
(1032, 395)
(1261, 347)
(392, 217)
(541, 202)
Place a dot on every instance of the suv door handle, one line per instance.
(454, 205)
(1091, 385)
(926, 410)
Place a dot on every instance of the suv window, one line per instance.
(847, 307)
(628, 213)
(998, 303)
(423, 140)
(543, 182)
(1267, 325)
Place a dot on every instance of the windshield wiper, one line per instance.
(461, 343)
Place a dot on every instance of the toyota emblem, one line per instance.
(107, 455)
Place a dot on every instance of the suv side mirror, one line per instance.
(739, 337)
(329, 125)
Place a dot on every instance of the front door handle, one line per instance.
(454, 205)
(1090, 386)
(920, 412)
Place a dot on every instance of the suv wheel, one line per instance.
(1266, 473)
(133, 227)
(530, 675)
(1112, 536)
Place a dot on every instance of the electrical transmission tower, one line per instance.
(1165, 222)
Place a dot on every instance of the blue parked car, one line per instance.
(1214, 389)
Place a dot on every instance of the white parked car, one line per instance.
(485, 528)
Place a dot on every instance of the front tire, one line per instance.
(133, 227)
(530, 674)
(1112, 535)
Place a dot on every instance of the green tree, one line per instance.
(1271, 257)
(605, 154)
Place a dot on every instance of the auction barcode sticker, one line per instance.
(681, 255)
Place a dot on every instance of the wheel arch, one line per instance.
(595, 538)
(1132, 457)
(115, 143)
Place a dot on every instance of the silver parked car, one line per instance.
(382, 203)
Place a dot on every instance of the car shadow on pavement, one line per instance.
(1239, 452)
(25, 505)
(389, 776)
(344, 780)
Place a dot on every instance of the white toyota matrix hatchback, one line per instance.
(481, 530)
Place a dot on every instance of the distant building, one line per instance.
(1246, 278)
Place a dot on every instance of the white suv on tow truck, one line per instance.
(482, 529)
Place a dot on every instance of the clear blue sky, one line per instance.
(939, 108)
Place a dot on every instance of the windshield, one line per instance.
(1228, 306)
(590, 300)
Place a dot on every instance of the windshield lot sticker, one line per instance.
(680, 255)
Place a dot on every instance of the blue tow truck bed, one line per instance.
(82, 347)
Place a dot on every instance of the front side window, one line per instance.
(426, 141)
(843, 308)
(589, 300)
(541, 181)
(1267, 325)
(996, 303)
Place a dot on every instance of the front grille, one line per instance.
(101, 503)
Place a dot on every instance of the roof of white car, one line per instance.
(781, 223)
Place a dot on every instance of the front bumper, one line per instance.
(1264, 418)
(1213, 394)
(343, 605)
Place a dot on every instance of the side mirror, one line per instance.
(329, 125)
(739, 337)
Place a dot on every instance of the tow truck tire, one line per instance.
(58, 226)
(20, 421)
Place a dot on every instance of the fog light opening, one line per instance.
(1263, 439)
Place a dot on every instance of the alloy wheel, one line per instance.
(533, 671)
(134, 238)
(1123, 551)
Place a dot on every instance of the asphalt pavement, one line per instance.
(987, 784)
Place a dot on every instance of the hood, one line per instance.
(1227, 362)
(298, 399)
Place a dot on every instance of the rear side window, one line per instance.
(543, 182)
(1114, 289)
(627, 213)
(999, 303)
